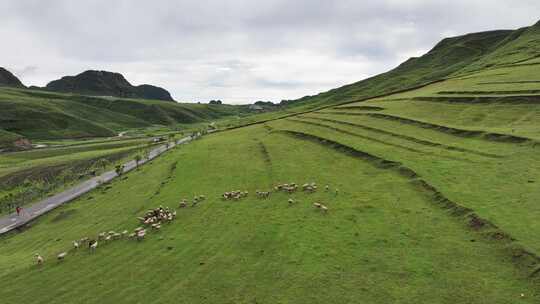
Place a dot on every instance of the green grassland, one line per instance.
(382, 241)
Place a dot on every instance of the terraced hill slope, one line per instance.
(416, 215)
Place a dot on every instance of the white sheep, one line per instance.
(141, 234)
(39, 259)
(291, 201)
(61, 256)
(75, 245)
(324, 208)
(93, 246)
(317, 205)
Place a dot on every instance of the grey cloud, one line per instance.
(237, 50)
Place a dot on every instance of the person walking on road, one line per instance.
(19, 210)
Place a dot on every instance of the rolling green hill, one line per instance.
(449, 58)
(103, 83)
(45, 115)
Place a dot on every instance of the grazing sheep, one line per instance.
(324, 208)
(39, 259)
(124, 233)
(183, 204)
(101, 236)
(263, 194)
(234, 195)
(141, 234)
(75, 245)
(61, 256)
(337, 191)
(93, 245)
(132, 235)
(326, 188)
(291, 201)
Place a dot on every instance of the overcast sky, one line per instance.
(234, 50)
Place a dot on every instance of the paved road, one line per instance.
(13, 221)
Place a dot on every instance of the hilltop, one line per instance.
(104, 83)
(452, 57)
(7, 79)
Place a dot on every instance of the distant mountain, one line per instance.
(153, 92)
(103, 83)
(456, 56)
(7, 79)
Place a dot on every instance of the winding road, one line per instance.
(12, 221)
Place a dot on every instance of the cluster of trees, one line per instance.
(215, 102)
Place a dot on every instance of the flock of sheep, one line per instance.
(287, 188)
(154, 218)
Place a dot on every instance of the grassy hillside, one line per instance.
(449, 58)
(44, 115)
(385, 238)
